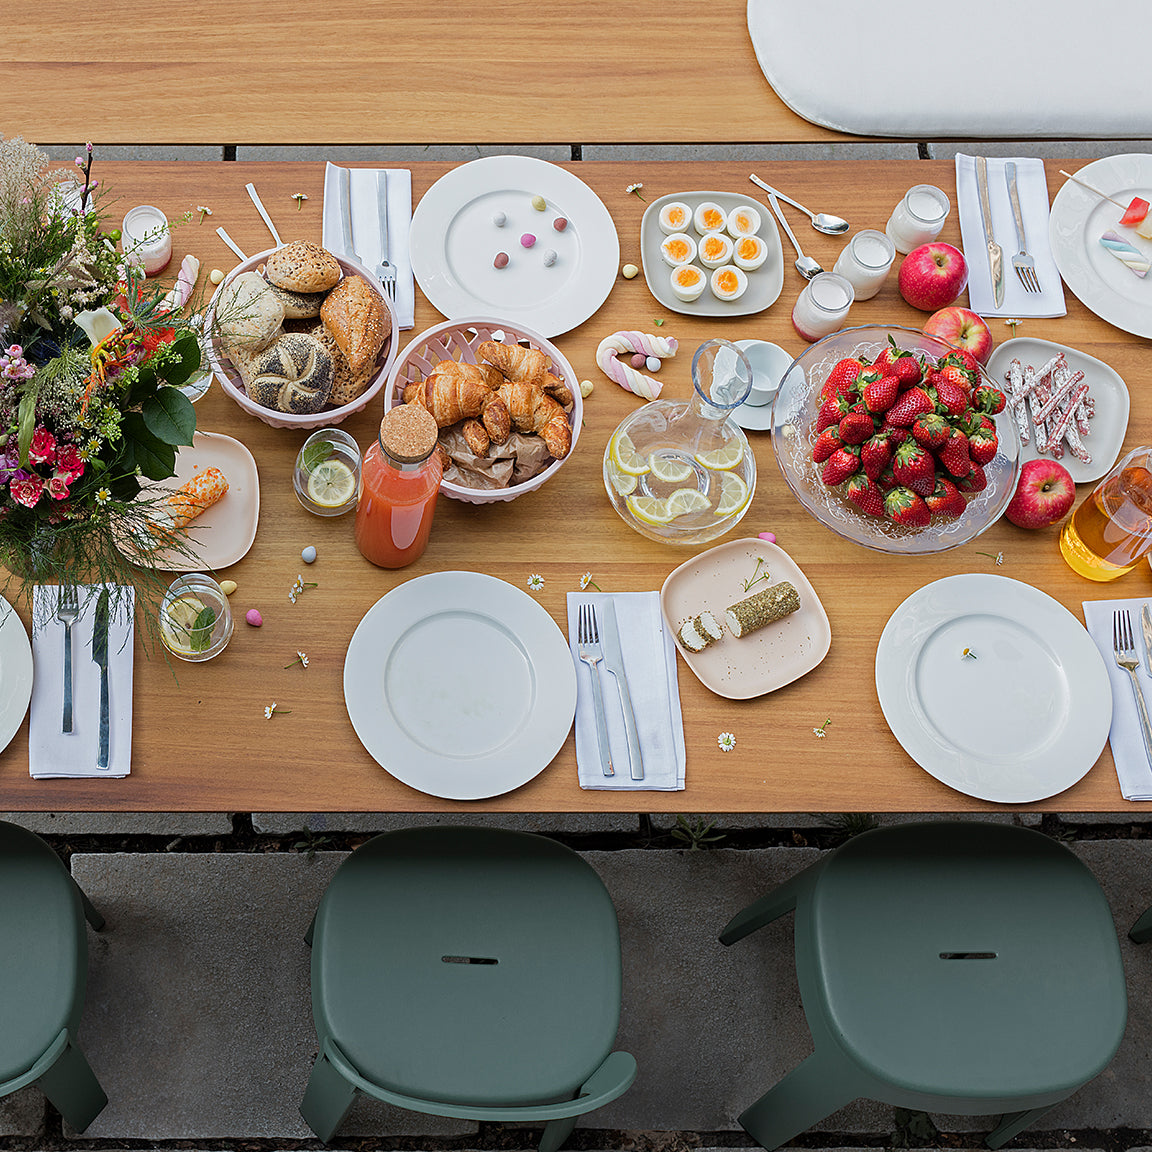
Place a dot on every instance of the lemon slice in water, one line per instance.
(331, 484)
(624, 482)
(722, 458)
(685, 501)
(734, 494)
(670, 469)
(625, 456)
(177, 621)
(650, 509)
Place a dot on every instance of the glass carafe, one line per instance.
(681, 471)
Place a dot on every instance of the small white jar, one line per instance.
(145, 238)
(918, 218)
(822, 307)
(865, 262)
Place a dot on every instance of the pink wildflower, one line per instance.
(42, 450)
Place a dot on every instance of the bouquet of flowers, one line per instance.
(91, 363)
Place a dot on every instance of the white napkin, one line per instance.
(1033, 187)
(1132, 767)
(650, 664)
(366, 227)
(51, 752)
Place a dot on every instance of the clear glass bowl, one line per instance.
(195, 618)
(793, 435)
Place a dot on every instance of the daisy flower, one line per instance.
(301, 659)
(103, 495)
(726, 741)
(299, 197)
(635, 190)
(535, 582)
(586, 581)
(203, 212)
(271, 711)
(822, 731)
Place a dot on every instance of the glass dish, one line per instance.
(195, 618)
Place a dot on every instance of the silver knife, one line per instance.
(382, 206)
(100, 656)
(995, 256)
(614, 662)
(344, 180)
(1146, 624)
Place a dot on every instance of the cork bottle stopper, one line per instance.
(408, 433)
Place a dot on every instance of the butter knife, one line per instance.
(614, 662)
(100, 657)
(995, 255)
(1146, 624)
(344, 179)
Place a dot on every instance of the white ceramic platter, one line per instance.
(15, 673)
(1021, 718)
(764, 284)
(460, 685)
(766, 659)
(454, 241)
(1108, 425)
(1079, 218)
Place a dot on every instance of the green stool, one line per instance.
(43, 972)
(466, 972)
(955, 967)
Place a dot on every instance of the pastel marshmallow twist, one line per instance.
(607, 359)
(1126, 254)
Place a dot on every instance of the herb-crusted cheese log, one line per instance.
(696, 634)
(765, 607)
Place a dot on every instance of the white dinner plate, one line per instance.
(454, 242)
(764, 284)
(1108, 425)
(1079, 218)
(1022, 717)
(460, 685)
(15, 673)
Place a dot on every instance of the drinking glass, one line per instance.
(918, 218)
(326, 477)
(195, 618)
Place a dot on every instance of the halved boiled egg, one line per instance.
(677, 249)
(688, 283)
(714, 249)
(709, 217)
(674, 217)
(743, 220)
(728, 283)
(749, 252)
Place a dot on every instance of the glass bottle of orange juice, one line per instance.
(400, 480)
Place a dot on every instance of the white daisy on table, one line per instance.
(103, 495)
(272, 710)
(726, 741)
(301, 659)
(535, 582)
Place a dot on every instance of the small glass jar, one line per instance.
(195, 618)
(822, 307)
(145, 238)
(326, 477)
(866, 261)
(399, 485)
(918, 218)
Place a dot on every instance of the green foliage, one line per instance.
(849, 824)
(315, 454)
(913, 1129)
(696, 834)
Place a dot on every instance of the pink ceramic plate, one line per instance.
(766, 659)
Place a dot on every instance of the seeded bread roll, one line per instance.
(298, 305)
(358, 320)
(303, 267)
(248, 315)
(345, 386)
(294, 374)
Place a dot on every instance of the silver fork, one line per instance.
(1125, 649)
(67, 611)
(588, 646)
(385, 270)
(1023, 263)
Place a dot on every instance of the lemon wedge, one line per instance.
(331, 484)
(685, 501)
(177, 624)
(650, 509)
(624, 482)
(625, 457)
(734, 494)
(722, 459)
(669, 469)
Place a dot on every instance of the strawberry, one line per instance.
(951, 399)
(914, 467)
(931, 430)
(968, 421)
(896, 436)
(954, 455)
(886, 481)
(915, 402)
(831, 412)
(954, 374)
(987, 399)
(975, 481)
(864, 493)
(946, 499)
(888, 356)
(880, 395)
(875, 453)
(907, 370)
(842, 378)
(903, 506)
(856, 427)
(962, 358)
(826, 443)
(982, 446)
(840, 465)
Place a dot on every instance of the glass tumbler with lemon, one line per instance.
(195, 619)
(681, 471)
(327, 473)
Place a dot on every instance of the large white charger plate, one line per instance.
(454, 242)
(1108, 425)
(764, 284)
(15, 673)
(460, 685)
(1023, 718)
(1079, 218)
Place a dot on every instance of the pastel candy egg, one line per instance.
(560, 223)
(629, 271)
(500, 260)
(215, 275)
(227, 587)
(539, 203)
(639, 360)
(308, 555)
(500, 219)
(253, 617)
(527, 240)
(550, 257)
(652, 363)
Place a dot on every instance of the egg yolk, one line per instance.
(687, 277)
(742, 222)
(713, 219)
(677, 249)
(727, 282)
(676, 217)
(712, 248)
(748, 249)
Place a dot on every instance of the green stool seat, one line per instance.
(960, 967)
(43, 974)
(466, 972)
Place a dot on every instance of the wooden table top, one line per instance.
(203, 743)
(390, 72)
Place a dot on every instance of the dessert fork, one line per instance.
(385, 271)
(67, 611)
(588, 646)
(1023, 263)
(1125, 649)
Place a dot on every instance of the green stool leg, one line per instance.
(779, 902)
(556, 1132)
(1013, 1123)
(90, 914)
(808, 1094)
(327, 1099)
(72, 1087)
(1141, 931)
(309, 933)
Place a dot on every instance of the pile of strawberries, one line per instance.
(907, 439)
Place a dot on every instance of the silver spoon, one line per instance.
(821, 221)
(805, 265)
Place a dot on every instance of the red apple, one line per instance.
(1044, 495)
(961, 329)
(932, 276)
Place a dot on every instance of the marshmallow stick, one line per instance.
(624, 374)
(1068, 381)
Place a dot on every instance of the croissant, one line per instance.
(452, 398)
(475, 436)
(480, 373)
(557, 389)
(515, 362)
(533, 410)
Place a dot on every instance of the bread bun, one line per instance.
(303, 267)
(248, 315)
(293, 374)
(358, 319)
(346, 386)
(298, 305)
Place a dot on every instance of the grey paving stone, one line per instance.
(123, 823)
(573, 823)
(838, 150)
(22, 1113)
(1139, 815)
(1045, 149)
(399, 153)
(817, 821)
(198, 1020)
(68, 152)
